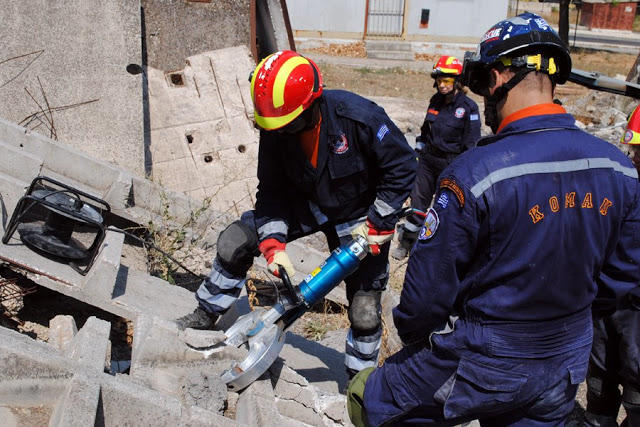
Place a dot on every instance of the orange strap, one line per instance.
(534, 110)
(309, 141)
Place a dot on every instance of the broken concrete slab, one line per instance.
(89, 346)
(35, 374)
(78, 404)
(321, 365)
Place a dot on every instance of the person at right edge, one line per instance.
(615, 354)
(451, 126)
(532, 231)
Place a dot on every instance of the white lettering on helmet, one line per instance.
(492, 34)
(541, 23)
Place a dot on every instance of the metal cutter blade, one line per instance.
(265, 336)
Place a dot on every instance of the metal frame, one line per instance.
(28, 202)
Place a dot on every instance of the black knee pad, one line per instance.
(237, 246)
(365, 312)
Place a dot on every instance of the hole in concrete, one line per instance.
(176, 79)
(208, 158)
(30, 315)
(190, 139)
(242, 148)
(134, 69)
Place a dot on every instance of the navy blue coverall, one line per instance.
(526, 230)
(447, 131)
(365, 169)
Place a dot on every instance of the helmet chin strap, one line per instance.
(491, 101)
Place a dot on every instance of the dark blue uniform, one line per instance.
(365, 169)
(447, 131)
(525, 232)
(615, 360)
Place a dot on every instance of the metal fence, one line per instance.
(385, 18)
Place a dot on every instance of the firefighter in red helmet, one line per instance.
(330, 161)
(451, 126)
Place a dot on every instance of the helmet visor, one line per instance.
(475, 75)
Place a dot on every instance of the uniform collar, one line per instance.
(531, 123)
(534, 110)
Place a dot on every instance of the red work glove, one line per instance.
(374, 237)
(273, 252)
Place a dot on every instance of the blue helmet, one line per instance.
(526, 40)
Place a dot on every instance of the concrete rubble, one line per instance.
(169, 383)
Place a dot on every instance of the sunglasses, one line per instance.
(445, 80)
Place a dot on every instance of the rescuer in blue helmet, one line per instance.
(524, 44)
(530, 233)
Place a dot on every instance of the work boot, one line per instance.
(199, 319)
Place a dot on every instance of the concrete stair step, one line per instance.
(385, 49)
(387, 45)
(387, 54)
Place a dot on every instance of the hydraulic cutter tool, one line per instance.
(263, 329)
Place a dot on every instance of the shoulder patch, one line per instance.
(443, 200)
(382, 132)
(473, 117)
(452, 186)
(431, 222)
(459, 113)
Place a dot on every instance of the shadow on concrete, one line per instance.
(331, 369)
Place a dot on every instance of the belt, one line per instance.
(436, 152)
(538, 339)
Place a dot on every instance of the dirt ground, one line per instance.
(418, 85)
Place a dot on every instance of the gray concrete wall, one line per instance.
(59, 56)
(178, 29)
(202, 138)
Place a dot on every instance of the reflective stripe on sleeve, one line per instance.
(272, 227)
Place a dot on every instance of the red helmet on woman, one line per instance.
(632, 133)
(447, 66)
(283, 85)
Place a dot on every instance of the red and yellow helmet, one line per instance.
(632, 133)
(447, 66)
(283, 85)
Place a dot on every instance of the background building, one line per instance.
(409, 20)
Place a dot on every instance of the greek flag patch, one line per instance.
(382, 132)
(443, 200)
(473, 117)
